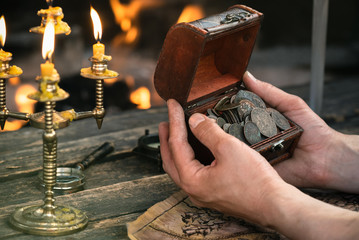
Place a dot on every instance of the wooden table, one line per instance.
(117, 190)
(123, 186)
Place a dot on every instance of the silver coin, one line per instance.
(221, 102)
(226, 117)
(235, 115)
(220, 121)
(252, 133)
(244, 108)
(212, 117)
(231, 116)
(236, 130)
(226, 127)
(232, 99)
(210, 112)
(254, 98)
(281, 122)
(227, 106)
(264, 122)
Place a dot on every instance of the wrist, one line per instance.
(274, 201)
(344, 163)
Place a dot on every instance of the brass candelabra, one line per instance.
(49, 218)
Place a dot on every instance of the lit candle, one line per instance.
(98, 48)
(48, 45)
(3, 54)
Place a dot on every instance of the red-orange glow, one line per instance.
(24, 104)
(141, 97)
(126, 17)
(13, 125)
(14, 81)
(131, 35)
(130, 81)
(110, 81)
(191, 13)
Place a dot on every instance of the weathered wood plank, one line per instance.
(30, 137)
(27, 161)
(103, 203)
(114, 228)
(113, 171)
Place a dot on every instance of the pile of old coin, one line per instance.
(246, 116)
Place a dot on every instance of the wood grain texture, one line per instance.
(104, 206)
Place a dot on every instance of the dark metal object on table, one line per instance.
(72, 179)
(149, 146)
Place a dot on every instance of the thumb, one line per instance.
(207, 132)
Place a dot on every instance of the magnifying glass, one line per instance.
(72, 179)
(149, 146)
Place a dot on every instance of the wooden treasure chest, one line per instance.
(201, 66)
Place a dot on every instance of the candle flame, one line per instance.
(2, 31)
(48, 42)
(97, 27)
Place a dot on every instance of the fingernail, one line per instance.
(251, 76)
(195, 119)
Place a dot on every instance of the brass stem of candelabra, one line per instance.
(49, 160)
(3, 108)
(99, 110)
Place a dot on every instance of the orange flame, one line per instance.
(14, 81)
(2, 31)
(22, 101)
(97, 26)
(191, 13)
(126, 17)
(141, 97)
(48, 41)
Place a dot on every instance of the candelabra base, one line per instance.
(65, 220)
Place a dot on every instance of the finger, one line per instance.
(167, 160)
(272, 95)
(182, 152)
(211, 135)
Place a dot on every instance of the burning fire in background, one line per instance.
(126, 16)
(191, 13)
(23, 104)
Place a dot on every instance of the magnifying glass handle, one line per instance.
(97, 154)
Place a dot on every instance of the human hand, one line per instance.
(238, 181)
(323, 158)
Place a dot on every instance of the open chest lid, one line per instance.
(206, 57)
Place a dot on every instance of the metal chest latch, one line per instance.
(235, 17)
(277, 146)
